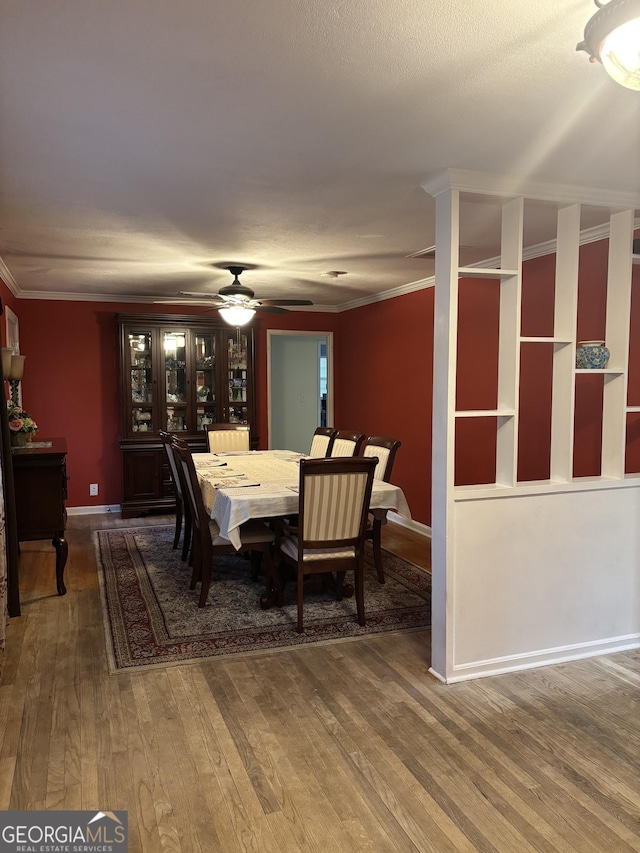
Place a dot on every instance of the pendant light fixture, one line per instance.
(612, 37)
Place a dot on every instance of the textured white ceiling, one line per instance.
(144, 141)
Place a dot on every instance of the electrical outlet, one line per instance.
(93, 489)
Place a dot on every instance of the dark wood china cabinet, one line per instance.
(177, 373)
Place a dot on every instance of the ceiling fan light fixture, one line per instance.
(612, 37)
(236, 315)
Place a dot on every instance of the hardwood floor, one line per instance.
(345, 747)
(408, 544)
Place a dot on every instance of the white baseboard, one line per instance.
(417, 526)
(545, 657)
(93, 510)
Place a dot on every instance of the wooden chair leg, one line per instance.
(204, 589)
(205, 554)
(359, 585)
(205, 570)
(186, 542)
(176, 538)
(274, 588)
(377, 548)
(196, 562)
(340, 576)
(300, 595)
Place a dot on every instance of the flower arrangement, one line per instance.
(20, 421)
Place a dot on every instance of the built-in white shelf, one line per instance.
(611, 371)
(486, 413)
(563, 340)
(633, 409)
(635, 259)
(491, 491)
(546, 340)
(484, 272)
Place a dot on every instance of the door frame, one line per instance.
(306, 334)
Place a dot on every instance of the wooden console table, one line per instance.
(40, 483)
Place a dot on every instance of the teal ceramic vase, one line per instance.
(591, 355)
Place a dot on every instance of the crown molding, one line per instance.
(8, 279)
(62, 296)
(487, 183)
(55, 296)
(411, 287)
(589, 235)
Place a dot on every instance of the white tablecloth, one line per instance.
(278, 475)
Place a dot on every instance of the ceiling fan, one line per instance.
(237, 303)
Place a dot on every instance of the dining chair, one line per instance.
(182, 507)
(322, 442)
(346, 443)
(321, 445)
(334, 496)
(227, 437)
(385, 449)
(207, 542)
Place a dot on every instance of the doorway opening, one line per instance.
(300, 387)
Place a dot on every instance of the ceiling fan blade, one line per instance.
(285, 302)
(170, 301)
(269, 309)
(207, 296)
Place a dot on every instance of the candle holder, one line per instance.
(13, 371)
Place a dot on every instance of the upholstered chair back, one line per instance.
(347, 443)
(322, 442)
(224, 438)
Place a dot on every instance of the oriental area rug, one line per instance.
(151, 617)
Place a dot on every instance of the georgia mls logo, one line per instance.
(118, 830)
(63, 832)
(100, 815)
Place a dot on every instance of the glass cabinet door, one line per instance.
(237, 377)
(174, 351)
(140, 369)
(179, 374)
(206, 390)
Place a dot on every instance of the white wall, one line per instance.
(295, 391)
(544, 577)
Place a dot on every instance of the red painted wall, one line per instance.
(536, 366)
(295, 321)
(633, 392)
(70, 387)
(477, 380)
(383, 381)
